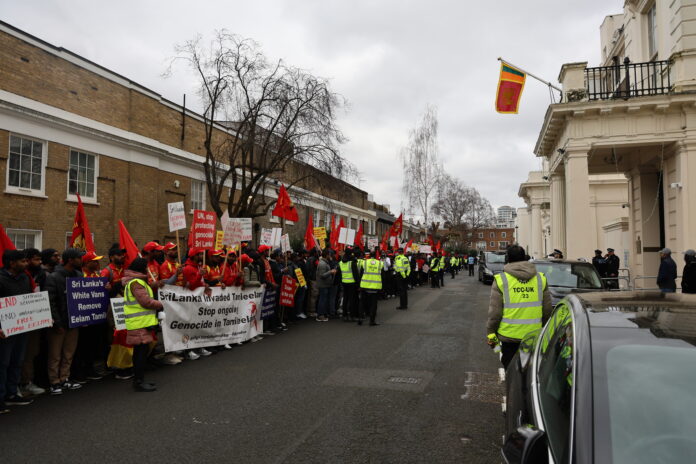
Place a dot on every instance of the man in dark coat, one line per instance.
(667, 275)
(612, 268)
(688, 282)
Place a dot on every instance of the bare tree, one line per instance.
(263, 120)
(421, 165)
(450, 201)
(479, 212)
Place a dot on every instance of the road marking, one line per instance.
(482, 387)
(501, 374)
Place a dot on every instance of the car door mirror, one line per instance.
(526, 445)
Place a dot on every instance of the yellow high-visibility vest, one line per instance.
(372, 277)
(136, 316)
(522, 304)
(346, 272)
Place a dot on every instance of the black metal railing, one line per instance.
(628, 80)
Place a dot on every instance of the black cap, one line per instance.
(610, 249)
(116, 250)
(598, 251)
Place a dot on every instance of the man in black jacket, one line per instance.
(667, 275)
(688, 282)
(62, 340)
(13, 281)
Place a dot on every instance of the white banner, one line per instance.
(194, 320)
(236, 230)
(372, 243)
(177, 216)
(25, 313)
(285, 243)
(346, 236)
(271, 237)
(117, 310)
(427, 249)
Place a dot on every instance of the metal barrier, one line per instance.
(626, 277)
(654, 278)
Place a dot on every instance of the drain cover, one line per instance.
(411, 380)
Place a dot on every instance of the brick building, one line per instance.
(490, 239)
(68, 125)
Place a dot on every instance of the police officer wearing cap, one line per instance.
(402, 268)
(612, 267)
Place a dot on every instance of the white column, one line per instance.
(686, 196)
(536, 233)
(558, 226)
(579, 238)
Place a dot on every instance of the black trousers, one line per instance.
(508, 350)
(471, 269)
(91, 344)
(434, 280)
(349, 301)
(369, 300)
(452, 271)
(441, 276)
(140, 361)
(403, 291)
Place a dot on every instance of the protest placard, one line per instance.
(372, 243)
(24, 313)
(342, 236)
(319, 233)
(271, 237)
(117, 311)
(177, 216)
(350, 237)
(285, 243)
(203, 229)
(266, 236)
(268, 305)
(218, 239)
(427, 249)
(300, 277)
(196, 320)
(88, 300)
(287, 291)
(237, 230)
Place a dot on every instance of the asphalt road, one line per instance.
(421, 388)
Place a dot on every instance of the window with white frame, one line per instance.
(197, 194)
(26, 165)
(652, 31)
(492, 244)
(492, 234)
(316, 219)
(480, 235)
(82, 174)
(24, 238)
(503, 235)
(502, 244)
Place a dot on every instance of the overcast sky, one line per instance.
(388, 58)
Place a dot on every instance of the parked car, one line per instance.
(566, 276)
(608, 379)
(490, 264)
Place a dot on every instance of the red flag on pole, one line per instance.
(385, 239)
(334, 233)
(397, 227)
(408, 245)
(438, 247)
(81, 236)
(359, 238)
(125, 242)
(309, 240)
(340, 226)
(284, 207)
(5, 243)
(431, 242)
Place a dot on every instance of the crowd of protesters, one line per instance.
(61, 358)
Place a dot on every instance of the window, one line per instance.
(502, 245)
(503, 235)
(492, 234)
(480, 235)
(26, 165)
(23, 238)
(555, 380)
(652, 32)
(492, 244)
(197, 194)
(316, 219)
(82, 174)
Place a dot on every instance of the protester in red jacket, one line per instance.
(193, 273)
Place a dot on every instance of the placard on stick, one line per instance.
(177, 216)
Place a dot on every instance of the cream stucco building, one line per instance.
(634, 115)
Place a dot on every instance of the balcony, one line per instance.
(627, 80)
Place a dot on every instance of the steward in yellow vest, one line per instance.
(370, 284)
(402, 267)
(349, 277)
(140, 311)
(520, 303)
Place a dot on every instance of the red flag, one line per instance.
(397, 227)
(125, 242)
(284, 207)
(408, 245)
(341, 225)
(359, 238)
(309, 240)
(385, 239)
(438, 246)
(334, 233)
(5, 243)
(81, 236)
(431, 242)
(396, 242)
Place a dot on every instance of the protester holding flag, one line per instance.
(62, 340)
(13, 281)
(81, 237)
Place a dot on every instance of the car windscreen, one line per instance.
(644, 411)
(570, 275)
(495, 258)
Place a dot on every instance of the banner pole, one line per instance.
(178, 249)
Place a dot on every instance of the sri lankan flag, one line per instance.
(510, 88)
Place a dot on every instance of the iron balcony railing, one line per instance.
(628, 80)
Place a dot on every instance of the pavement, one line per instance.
(423, 387)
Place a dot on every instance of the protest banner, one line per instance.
(268, 305)
(271, 237)
(343, 236)
(300, 277)
(319, 233)
(218, 239)
(427, 249)
(25, 313)
(196, 320)
(203, 229)
(285, 243)
(237, 230)
(372, 243)
(177, 216)
(426, 268)
(287, 291)
(88, 300)
(117, 305)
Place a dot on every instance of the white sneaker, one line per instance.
(204, 352)
(302, 316)
(257, 338)
(31, 389)
(170, 359)
(227, 346)
(192, 356)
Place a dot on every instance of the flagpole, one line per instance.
(531, 75)
(178, 250)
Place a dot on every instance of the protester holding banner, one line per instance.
(62, 340)
(140, 311)
(170, 266)
(325, 278)
(213, 271)
(13, 281)
(233, 277)
(193, 279)
(36, 271)
(151, 251)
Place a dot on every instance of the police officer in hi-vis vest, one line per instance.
(402, 267)
(520, 303)
(370, 284)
